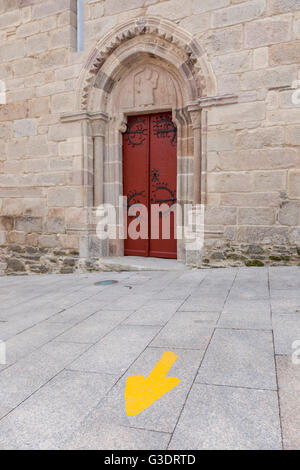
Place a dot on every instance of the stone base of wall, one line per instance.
(18, 260)
(229, 254)
(32, 260)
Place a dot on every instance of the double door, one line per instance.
(149, 183)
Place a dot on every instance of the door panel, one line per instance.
(150, 178)
(163, 183)
(135, 176)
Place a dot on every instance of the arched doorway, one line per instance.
(144, 67)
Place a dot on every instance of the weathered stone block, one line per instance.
(239, 13)
(10, 18)
(70, 148)
(25, 127)
(55, 225)
(5, 131)
(285, 53)
(48, 7)
(172, 9)
(267, 31)
(28, 224)
(62, 103)
(218, 141)
(15, 265)
(259, 159)
(59, 133)
(63, 38)
(47, 24)
(6, 223)
(293, 135)
(38, 107)
(241, 112)
(263, 235)
(270, 78)
(37, 44)
(12, 111)
(64, 197)
(294, 183)
(26, 3)
(230, 63)
(12, 50)
(228, 84)
(296, 27)
(256, 216)
(28, 29)
(196, 24)
(295, 236)
(223, 40)
(261, 199)
(226, 182)
(270, 181)
(259, 138)
(53, 59)
(220, 216)
(96, 10)
(284, 116)
(115, 6)
(201, 7)
(289, 213)
(282, 6)
(51, 179)
(48, 241)
(12, 207)
(261, 58)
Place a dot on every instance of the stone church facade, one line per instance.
(227, 70)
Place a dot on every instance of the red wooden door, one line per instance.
(149, 181)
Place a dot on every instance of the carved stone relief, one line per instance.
(145, 87)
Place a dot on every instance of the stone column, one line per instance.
(195, 113)
(99, 127)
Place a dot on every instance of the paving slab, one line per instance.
(31, 339)
(164, 413)
(285, 301)
(246, 318)
(95, 327)
(228, 418)
(288, 373)
(49, 417)
(128, 302)
(241, 358)
(284, 277)
(189, 330)
(93, 435)
(252, 307)
(20, 380)
(286, 331)
(208, 303)
(117, 351)
(154, 312)
(289, 395)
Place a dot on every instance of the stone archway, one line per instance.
(127, 73)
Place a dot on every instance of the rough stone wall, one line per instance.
(252, 147)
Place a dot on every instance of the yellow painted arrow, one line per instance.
(141, 392)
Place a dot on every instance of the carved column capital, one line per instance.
(120, 122)
(195, 115)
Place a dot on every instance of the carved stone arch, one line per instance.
(191, 57)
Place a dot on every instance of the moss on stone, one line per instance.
(254, 262)
(279, 258)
